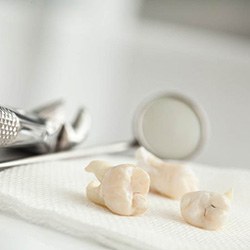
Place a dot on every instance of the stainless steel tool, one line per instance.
(43, 130)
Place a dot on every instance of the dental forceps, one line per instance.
(43, 130)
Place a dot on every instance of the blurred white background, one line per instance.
(110, 55)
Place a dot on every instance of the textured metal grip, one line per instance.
(9, 126)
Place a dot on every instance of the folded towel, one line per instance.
(53, 194)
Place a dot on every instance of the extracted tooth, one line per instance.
(169, 179)
(122, 189)
(206, 210)
(93, 190)
(98, 168)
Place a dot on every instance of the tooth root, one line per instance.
(229, 194)
(93, 193)
(140, 204)
(147, 159)
(99, 168)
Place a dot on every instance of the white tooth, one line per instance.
(122, 189)
(98, 168)
(207, 210)
(169, 179)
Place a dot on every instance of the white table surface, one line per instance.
(18, 234)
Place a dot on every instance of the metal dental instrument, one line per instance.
(170, 126)
(43, 130)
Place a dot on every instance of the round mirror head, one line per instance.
(170, 126)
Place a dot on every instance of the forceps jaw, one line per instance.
(68, 134)
(45, 130)
(75, 133)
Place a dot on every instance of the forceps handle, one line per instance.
(74, 154)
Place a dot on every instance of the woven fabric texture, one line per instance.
(53, 194)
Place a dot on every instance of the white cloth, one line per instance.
(53, 194)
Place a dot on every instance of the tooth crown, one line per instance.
(122, 189)
(204, 209)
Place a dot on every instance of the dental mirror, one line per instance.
(170, 126)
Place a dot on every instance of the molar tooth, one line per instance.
(122, 189)
(169, 179)
(207, 210)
